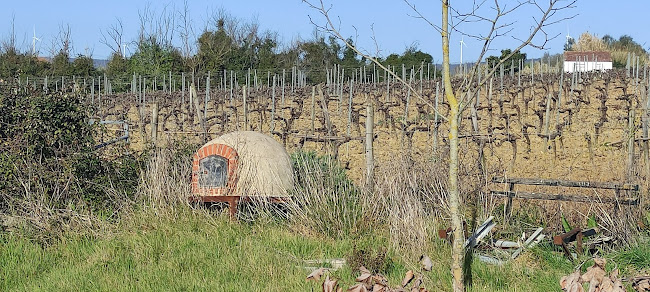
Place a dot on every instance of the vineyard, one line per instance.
(537, 124)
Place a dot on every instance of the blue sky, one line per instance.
(392, 21)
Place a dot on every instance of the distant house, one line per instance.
(587, 61)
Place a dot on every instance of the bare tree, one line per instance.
(62, 43)
(9, 44)
(462, 96)
(112, 37)
(186, 31)
(155, 27)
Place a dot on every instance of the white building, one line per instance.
(587, 61)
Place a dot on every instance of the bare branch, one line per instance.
(329, 28)
(112, 38)
(469, 88)
(420, 16)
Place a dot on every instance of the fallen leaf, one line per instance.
(358, 288)
(426, 262)
(571, 282)
(613, 275)
(641, 284)
(316, 274)
(364, 270)
(329, 285)
(363, 277)
(594, 275)
(407, 278)
(600, 262)
(378, 288)
(607, 285)
(379, 278)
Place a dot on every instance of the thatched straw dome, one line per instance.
(259, 166)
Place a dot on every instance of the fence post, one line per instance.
(272, 127)
(313, 108)
(154, 123)
(370, 161)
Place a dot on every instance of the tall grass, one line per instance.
(412, 197)
(326, 202)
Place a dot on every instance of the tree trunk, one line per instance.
(457, 254)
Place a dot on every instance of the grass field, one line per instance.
(195, 250)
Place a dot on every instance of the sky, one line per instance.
(379, 27)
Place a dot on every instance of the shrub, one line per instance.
(48, 157)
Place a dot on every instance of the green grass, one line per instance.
(199, 252)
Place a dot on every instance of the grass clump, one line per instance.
(326, 201)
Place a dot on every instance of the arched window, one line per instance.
(213, 172)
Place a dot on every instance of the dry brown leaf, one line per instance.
(594, 276)
(607, 285)
(316, 274)
(641, 285)
(600, 262)
(618, 286)
(364, 270)
(329, 285)
(363, 277)
(417, 282)
(340, 289)
(614, 275)
(358, 288)
(379, 278)
(407, 278)
(571, 282)
(426, 262)
(378, 288)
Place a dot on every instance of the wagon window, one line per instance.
(213, 172)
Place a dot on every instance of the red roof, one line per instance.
(587, 56)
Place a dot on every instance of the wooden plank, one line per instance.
(563, 197)
(566, 183)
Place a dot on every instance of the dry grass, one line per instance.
(164, 184)
(412, 197)
(326, 202)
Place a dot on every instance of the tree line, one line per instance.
(225, 43)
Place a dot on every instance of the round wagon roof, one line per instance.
(264, 167)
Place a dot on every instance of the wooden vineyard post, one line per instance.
(92, 91)
(508, 208)
(205, 107)
(349, 127)
(283, 74)
(630, 144)
(182, 99)
(154, 123)
(197, 107)
(272, 126)
(245, 108)
(370, 161)
(547, 122)
(435, 121)
(313, 108)
(646, 115)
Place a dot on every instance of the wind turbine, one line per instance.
(462, 43)
(34, 39)
(124, 47)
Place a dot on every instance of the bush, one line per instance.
(48, 157)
